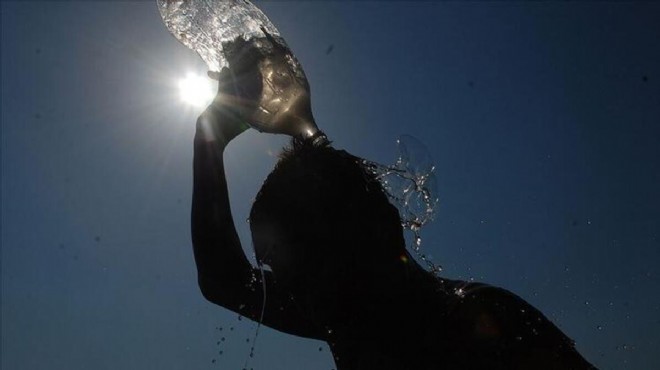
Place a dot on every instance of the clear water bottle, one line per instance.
(273, 91)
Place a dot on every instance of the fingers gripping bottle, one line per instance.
(272, 89)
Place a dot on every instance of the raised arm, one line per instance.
(225, 275)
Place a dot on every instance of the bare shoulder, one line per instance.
(508, 330)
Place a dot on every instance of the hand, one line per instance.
(266, 87)
(222, 121)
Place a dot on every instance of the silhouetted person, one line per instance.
(340, 271)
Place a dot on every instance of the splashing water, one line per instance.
(206, 25)
(254, 281)
(261, 315)
(411, 186)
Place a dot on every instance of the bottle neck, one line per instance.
(318, 138)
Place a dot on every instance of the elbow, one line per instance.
(209, 291)
(222, 295)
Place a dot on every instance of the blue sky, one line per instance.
(543, 120)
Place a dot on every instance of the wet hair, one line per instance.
(324, 202)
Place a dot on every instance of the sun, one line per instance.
(196, 90)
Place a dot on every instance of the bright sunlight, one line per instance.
(196, 90)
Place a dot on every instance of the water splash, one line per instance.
(205, 26)
(261, 315)
(411, 186)
(262, 276)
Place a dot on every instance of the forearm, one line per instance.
(217, 248)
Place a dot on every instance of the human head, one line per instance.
(320, 215)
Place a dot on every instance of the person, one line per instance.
(333, 264)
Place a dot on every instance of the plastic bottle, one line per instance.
(274, 92)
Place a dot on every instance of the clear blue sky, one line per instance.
(543, 120)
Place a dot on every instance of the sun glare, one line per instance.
(196, 90)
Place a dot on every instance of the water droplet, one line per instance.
(410, 185)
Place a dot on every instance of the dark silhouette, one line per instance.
(339, 269)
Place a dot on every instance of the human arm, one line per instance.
(226, 277)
